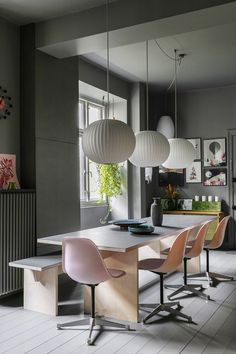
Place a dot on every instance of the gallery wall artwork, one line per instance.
(196, 142)
(171, 176)
(214, 152)
(215, 177)
(8, 177)
(194, 172)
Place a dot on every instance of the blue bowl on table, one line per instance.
(141, 229)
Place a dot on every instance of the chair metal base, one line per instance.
(211, 277)
(93, 322)
(166, 307)
(192, 288)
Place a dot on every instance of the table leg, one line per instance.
(118, 298)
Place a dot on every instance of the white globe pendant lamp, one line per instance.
(152, 148)
(182, 152)
(108, 141)
(166, 127)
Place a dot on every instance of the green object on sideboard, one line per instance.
(206, 206)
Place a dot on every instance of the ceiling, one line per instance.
(210, 59)
(210, 52)
(28, 11)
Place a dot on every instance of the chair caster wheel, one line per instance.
(89, 342)
(59, 328)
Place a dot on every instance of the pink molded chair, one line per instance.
(162, 266)
(191, 252)
(83, 263)
(215, 243)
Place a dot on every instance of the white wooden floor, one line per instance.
(24, 331)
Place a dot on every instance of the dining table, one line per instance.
(121, 249)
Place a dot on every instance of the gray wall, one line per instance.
(207, 114)
(57, 177)
(10, 79)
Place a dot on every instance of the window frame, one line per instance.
(85, 195)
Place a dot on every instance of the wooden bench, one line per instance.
(41, 282)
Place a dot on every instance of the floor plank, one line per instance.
(23, 331)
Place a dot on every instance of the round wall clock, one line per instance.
(5, 104)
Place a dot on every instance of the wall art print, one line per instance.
(8, 175)
(214, 152)
(194, 172)
(196, 142)
(215, 177)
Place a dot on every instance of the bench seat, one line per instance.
(41, 282)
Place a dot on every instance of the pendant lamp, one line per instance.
(152, 148)
(108, 141)
(166, 127)
(182, 152)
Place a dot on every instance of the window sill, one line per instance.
(92, 204)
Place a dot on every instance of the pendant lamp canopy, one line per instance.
(166, 127)
(108, 141)
(152, 148)
(182, 152)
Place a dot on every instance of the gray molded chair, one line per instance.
(83, 263)
(216, 242)
(191, 252)
(161, 267)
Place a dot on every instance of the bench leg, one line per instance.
(41, 291)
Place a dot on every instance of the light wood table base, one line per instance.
(118, 298)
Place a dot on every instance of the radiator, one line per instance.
(17, 235)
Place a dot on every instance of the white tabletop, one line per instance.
(111, 238)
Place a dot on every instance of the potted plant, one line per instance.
(109, 185)
(172, 194)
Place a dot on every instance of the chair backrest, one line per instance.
(82, 261)
(176, 253)
(198, 243)
(219, 234)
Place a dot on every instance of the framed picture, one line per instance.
(8, 175)
(196, 142)
(214, 152)
(171, 176)
(184, 204)
(194, 172)
(215, 177)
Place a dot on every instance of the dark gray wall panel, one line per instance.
(57, 154)
(10, 79)
(57, 187)
(57, 96)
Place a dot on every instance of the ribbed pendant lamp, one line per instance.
(152, 148)
(108, 141)
(182, 152)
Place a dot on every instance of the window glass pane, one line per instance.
(82, 171)
(93, 181)
(81, 114)
(94, 113)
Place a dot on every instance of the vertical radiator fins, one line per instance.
(17, 235)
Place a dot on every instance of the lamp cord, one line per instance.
(108, 57)
(147, 84)
(176, 128)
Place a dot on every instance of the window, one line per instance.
(88, 112)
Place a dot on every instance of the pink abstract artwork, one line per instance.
(8, 171)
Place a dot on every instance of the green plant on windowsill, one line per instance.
(109, 185)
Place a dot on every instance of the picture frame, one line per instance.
(171, 176)
(215, 177)
(214, 152)
(196, 142)
(184, 204)
(194, 172)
